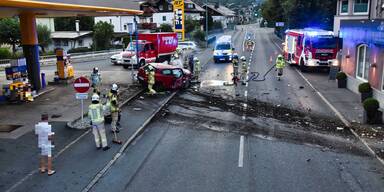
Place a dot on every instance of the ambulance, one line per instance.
(310, 48)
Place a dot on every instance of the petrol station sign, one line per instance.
(178, 11)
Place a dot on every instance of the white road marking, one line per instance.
(338, 114)
(245, 36)
(241, 151)
(246, 94)
(243, 117)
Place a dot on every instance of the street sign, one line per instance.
(82, 96)
(279, 24)
(81, 85)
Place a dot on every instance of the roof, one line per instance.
(67, 8)
(163, 66)
(197, 7)
(69, 34)
(222, 10)
(310, 31)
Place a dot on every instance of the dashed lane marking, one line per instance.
(241, 152)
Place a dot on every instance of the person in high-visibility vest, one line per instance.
(280, 64)
(235, 63)
(197, 66)
(244, 69)
(151, 81)
(96, 80)
(95, 113)
(114, 107)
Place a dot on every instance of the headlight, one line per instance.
(215, 53)
(335, 63)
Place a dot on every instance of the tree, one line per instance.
(10, 32)
(191, 25)
(102, 35)
(44, 36)
(165, 28)
(69, 23)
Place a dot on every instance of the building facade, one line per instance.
(361, 26)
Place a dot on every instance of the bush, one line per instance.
(165, 28)
(79, 50)
(217, 25)
(365, 88)
(341, 76)
(198, 35)
(5, 53)
(371, 105)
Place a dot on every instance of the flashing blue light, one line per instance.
(313, 33)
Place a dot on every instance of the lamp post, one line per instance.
(137, 41)
(206, 21)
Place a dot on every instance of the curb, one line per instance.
(70, 123)
(339, 115)
(100, 174)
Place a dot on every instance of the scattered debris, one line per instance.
(55, 116)
(287, 114)
(340, 128)
(308, 160)
(301, 87)
(289, 85)
(278, 105)
(141, 97)
(137, 109)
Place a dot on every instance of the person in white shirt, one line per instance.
(45, 137)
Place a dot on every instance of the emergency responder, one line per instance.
(114, 107)
(235, 63)
(96, 80)
(249, 44)
(244, 69)
(191, 63)
(151, 80)
(45, 142)
(95, 113)
(197, 66)
(280, 64)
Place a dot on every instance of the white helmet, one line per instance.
(243, 58)
(95, 97)
(196, 59)
(114, 87)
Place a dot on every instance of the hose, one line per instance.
(255, 75)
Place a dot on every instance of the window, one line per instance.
(362, 62)
(80, 42)
(177, 73)
(360, 6)
(170, 7)
(190, 6)
(344, 6)
(151, 20)
(161, 7)
(166, 72)
(125, 27)
(164, 18)
(57, 43)
(65, 43)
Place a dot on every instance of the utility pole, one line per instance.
(137, 41)
(206, 21)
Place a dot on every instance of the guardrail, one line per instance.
(52, 58)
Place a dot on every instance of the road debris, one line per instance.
(301, 87)
(137, 109)
(339, 128)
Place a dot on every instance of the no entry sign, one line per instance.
(81, 85)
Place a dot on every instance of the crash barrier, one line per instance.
(75, 57)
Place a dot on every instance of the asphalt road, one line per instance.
(200, 144)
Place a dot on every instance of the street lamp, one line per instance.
(137, 41)
(206, 21)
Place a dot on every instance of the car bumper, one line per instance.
(222, 58)
(322, 63)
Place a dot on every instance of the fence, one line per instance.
(51, 59)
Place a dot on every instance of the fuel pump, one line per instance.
(64, 67)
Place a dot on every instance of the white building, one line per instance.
(71, 39)
(221, 14)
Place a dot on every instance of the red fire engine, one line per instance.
(310, 48)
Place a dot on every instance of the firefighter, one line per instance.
(45, 142)
(151, 81)
(96, 80)
(244, 69)
(280, 64)
(95, 113)
(197, 66)
(114, 107)
(235, 63)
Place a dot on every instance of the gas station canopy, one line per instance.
(68, 8)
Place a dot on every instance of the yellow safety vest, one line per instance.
(95, 113)
(280, 63)
(151, 77)
(114, 108)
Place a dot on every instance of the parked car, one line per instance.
(167, 77)
(117, 59)
(185, 45)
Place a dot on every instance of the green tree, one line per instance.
(102, 35)
(69, 23)
(10, 32)
(44, 36)
(165, 28)
(191, 25)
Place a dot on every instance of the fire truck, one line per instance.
(310, 48)
(152, 47)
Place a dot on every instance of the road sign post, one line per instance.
(81, 86)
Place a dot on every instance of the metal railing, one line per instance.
(52, 58)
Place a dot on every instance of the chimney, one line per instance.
(78, 26)
(217, 5)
